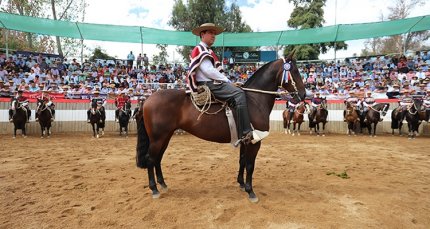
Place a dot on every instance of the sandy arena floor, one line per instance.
(75, 181)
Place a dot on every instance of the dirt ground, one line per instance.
(75, 181)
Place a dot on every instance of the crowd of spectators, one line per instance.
(385, 76)
(78, 80)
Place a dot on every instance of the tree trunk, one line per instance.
(60, 51)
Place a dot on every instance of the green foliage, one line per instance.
(185, 17)
(310, 14)
(399, 43)
(98, 53)
(342, 175)
(161, 58)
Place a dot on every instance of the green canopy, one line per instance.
(140, 34)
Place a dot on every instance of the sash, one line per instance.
(197, 55)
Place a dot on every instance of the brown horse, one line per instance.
(320, 117)
(352, 118)
(171, 109)
(297, 117)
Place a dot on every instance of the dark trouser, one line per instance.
(236, 98)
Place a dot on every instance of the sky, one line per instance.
(261, 15)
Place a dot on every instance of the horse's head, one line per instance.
(40, 103)
(418, 102)
(323, 104)
(290, 78)
(385, 108)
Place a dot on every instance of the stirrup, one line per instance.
(11, 120)
(37, 119)
(246, 139)
(88, 121)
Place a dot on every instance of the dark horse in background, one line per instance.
(97, 120)
(45, 116)
(352, 118)
(19, 119)
(320, 117)
(167, 110)
(124, 116)
(373, 116)
(297, 117)
(413, 118)
(397, 117)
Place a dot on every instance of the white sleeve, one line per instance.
(104, 103)
(210, 72)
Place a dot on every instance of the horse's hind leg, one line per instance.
(14, 132)
(42, 133)
(298, 129)
(155, 152)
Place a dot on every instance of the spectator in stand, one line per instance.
(33, 87)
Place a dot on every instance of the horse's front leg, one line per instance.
(14, 131)
(160, 178)
(42, 129)
(242, 164)
(250, 155)
(294, 128)
(94, 130)
(298, 128)
(152, 184)
(24, 134)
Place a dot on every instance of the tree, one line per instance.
(161, 58)
(399, 43)
(185, 17)
(99, 53)
(67, 10)
(24, 8)
(309, 14)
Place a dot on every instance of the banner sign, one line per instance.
(246, 57)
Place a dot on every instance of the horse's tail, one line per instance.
(142, 144)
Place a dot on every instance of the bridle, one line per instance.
(286, 77)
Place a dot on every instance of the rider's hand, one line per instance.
(237, 84)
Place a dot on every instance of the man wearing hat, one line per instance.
(354, 101)
(405, 100)
(99, 103)
(315, 103)
(47, 100)
(205, 69)
(368, 102)
(120, 102)
(19, 98)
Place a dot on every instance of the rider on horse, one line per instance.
(368, 103)
(291, 104)
(405, 101)
(354, 101)
(48, 102)
(426, 104)
(120, 103)
(19, 98)
(97, 102)
(205, 69)
(315, 102)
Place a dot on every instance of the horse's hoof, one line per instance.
(323, 135)
(242, 188)
(298, 134)
(97, 136)
(41, 137)
(293, 134)
(164, 188)
(13, 137)
(25, 136)
(253, 198)
(156, 195)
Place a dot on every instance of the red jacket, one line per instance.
(121, 101)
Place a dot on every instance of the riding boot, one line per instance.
(28, 115)
(344, 115)
(88, 116)
(10, 115)
(53, 115)
(243, 124)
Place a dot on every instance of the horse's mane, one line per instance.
(257, 74)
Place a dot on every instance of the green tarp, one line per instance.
(140, 34)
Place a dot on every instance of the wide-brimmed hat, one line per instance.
(96, 92)
(207, 26)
